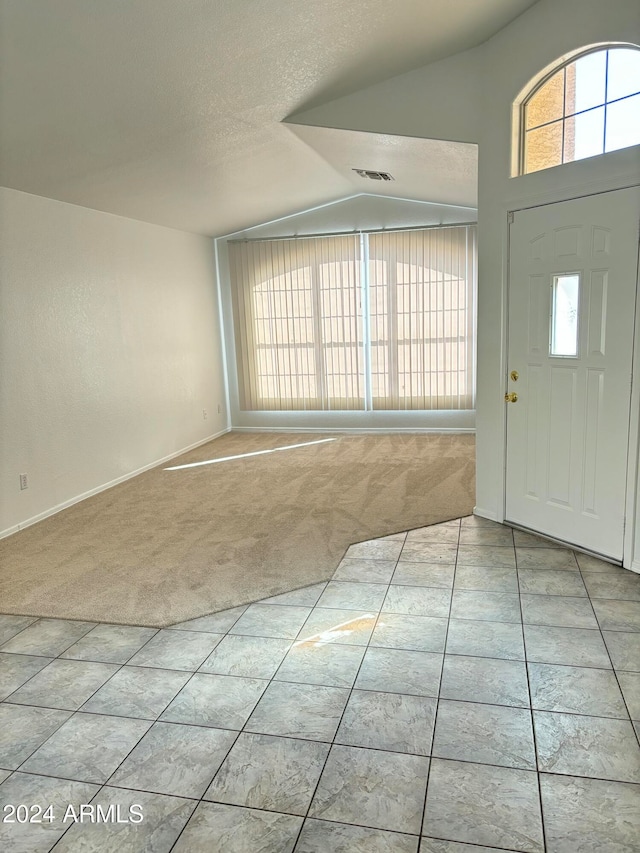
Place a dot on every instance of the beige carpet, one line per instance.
(168, 546)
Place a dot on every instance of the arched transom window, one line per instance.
(587, 106)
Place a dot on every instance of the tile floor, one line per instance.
(457, 689)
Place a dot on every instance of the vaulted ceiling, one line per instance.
(171, 111)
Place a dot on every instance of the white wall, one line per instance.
(469, 97)
(365, 212)
(109, 350)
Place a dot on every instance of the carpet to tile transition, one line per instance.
(168, 546)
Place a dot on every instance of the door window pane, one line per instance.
(565, 298)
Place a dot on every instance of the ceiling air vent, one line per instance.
(374, 176)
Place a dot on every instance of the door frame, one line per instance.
(631, 543)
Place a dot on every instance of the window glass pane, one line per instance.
(586, 79)
(584, 135)
(623, 124)
(543, 147)
(564, 316)
(624, 73)
(548, 102)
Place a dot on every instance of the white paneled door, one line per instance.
(573, 268)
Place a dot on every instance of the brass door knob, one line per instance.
(511, 398)
(514, 375)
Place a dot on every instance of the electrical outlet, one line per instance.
(204, 414)
(24, 482)
(219, 408)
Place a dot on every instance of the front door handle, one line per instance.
(511, 398)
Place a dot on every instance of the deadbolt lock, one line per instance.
(511, 398)
(514, 375)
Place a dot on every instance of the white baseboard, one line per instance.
(360, 430)
(59, 507)
(635, 566)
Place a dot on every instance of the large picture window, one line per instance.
(367, 321)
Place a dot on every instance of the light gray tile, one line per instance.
(478, 521)
(175, 759)
(389, 721)
(483, 805)
(490, 556)
(617, 615)
(630, 685)
(486, 536)
(485, 606)
(320, 836)
(588, 563)
(47, 637)
(253, 657)
(4, 774)
(400, 671)
(223, 701)
(485, 734)
(573, 646)
(529, 540)
(233, 829)
(88, 747)
(299, 710)
(163, 819)
(23, 788)
(587, 746)
(65, 684)
(624, 649)
(315, 662)
(137, 692)
(364, 571)
(428, 552)
(185, 650)
(271, 620)
(339, 594)
(215, 623)
(110, 643)
(623, 585)
(347, 793)
(306, 596)
(273, 773)
(424, 574)
(12, 625)
(557, 611)
(393, 537)
(490, 580)
(485, 639)
(437, 845)
(445, 534)
(417, 601)
(486, 680)
(546, 558)
(16, 669)
(551, 582)
(23, 730)
(376, 549)
(590, 815)
(575, 690)
(335, 625)
(416, 633)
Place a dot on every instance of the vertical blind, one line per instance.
(369, 321)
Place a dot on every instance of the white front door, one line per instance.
(573, 268)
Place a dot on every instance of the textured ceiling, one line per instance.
(171, 111)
